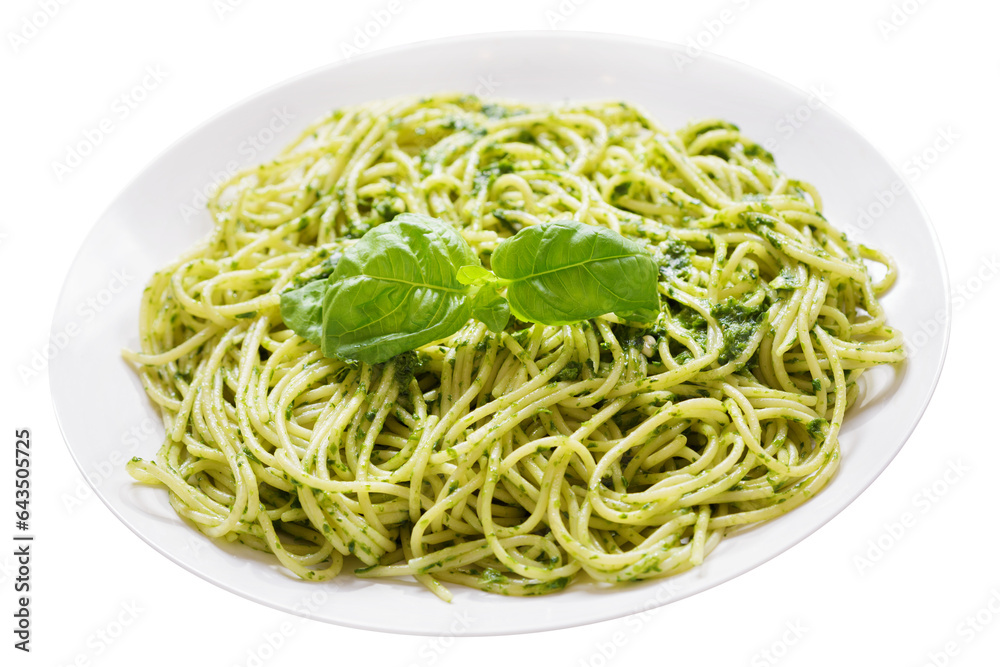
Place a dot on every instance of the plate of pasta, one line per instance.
(541, 329)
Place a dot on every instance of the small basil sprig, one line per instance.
(302, 310)
(415, 280)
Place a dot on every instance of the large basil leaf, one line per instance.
(396, 289)
(565, 271)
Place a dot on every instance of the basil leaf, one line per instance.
(397, 289)
(565, 271)
(490, 308)
(474, 274)
(302, 310)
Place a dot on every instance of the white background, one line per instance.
(865, 589)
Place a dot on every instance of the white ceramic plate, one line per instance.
(159, 215)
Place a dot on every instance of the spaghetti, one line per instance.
(512, 462)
